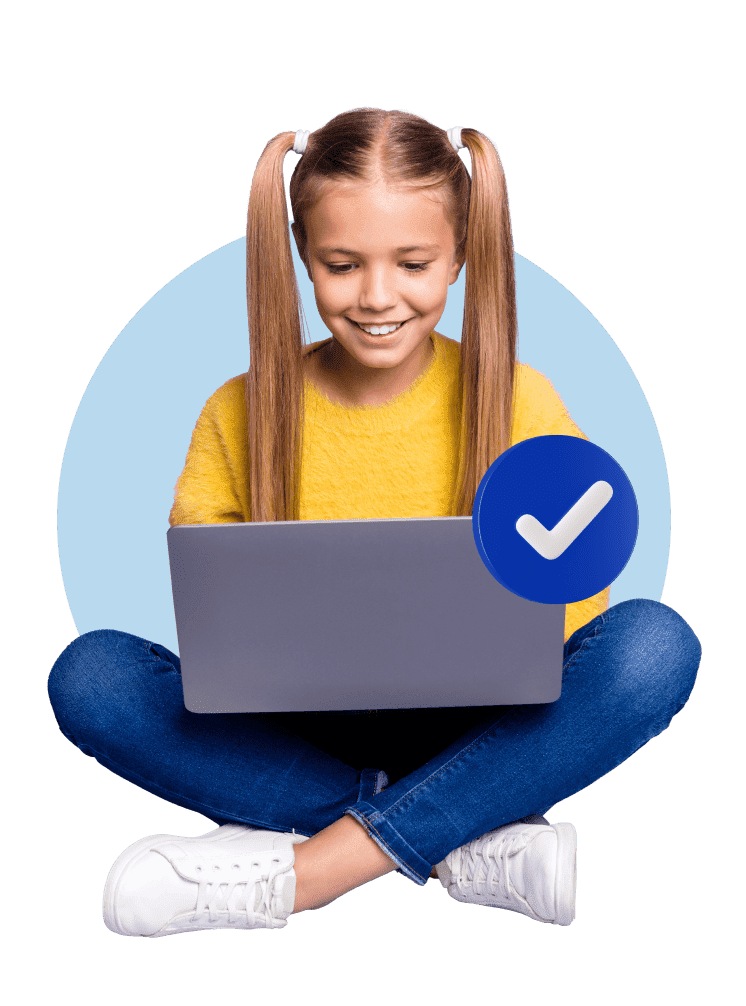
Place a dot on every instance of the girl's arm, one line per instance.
(213, 487)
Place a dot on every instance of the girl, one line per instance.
(386, 418)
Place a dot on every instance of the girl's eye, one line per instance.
(341, 268)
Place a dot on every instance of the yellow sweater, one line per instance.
(392, 460)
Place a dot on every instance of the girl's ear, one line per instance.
(457, 264)
(301, 246)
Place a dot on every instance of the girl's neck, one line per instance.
(346, 381)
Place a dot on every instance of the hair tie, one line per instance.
(301, 139)
(454, 137)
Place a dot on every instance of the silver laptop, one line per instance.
(353, 614)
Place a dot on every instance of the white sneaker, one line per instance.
(235, 877)
(527, 868)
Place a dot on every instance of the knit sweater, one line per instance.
(393, 460)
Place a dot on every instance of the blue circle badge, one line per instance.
(555, 519)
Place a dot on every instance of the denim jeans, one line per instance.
(420, 781)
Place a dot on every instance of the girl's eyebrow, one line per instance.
(400, 251)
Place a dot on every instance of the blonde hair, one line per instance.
(404, 148)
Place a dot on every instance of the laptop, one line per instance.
(287, 616)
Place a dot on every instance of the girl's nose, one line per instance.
(376, 291)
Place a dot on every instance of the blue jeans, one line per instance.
(420, 781)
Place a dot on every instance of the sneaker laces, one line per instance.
(215, 894)
(484, 864)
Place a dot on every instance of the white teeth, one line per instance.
(380, 329)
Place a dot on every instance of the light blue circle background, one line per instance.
(131, 432)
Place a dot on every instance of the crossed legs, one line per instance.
(626, 674)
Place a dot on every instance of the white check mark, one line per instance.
(551, 544)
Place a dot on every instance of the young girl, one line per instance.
(386, 418)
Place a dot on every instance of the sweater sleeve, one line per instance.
(213, 486)
(539, 411)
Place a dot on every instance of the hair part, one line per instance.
(364, 145)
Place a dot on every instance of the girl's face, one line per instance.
(381, 257)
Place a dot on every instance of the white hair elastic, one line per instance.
(301, 139)
(454, 135)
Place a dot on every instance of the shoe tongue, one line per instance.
(282, 888)
(283, 901)
(537, 887)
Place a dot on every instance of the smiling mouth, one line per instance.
(380, 329)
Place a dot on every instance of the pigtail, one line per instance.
(490, 330)
(274, 383)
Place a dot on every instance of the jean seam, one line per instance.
(157, 658)
(151, 653)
